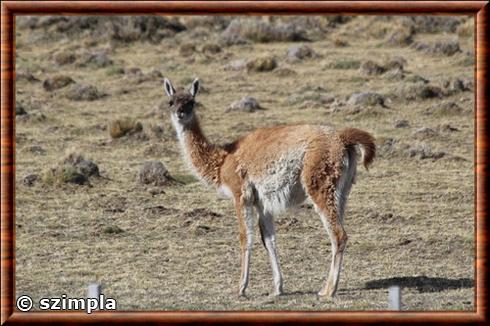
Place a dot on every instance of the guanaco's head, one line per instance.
(182, 101)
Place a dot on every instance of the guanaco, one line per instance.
(272, 169)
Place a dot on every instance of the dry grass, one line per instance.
(408, 218)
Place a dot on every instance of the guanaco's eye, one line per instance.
(171, 102)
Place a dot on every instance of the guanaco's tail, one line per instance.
(366, 142)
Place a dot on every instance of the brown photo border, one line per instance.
(10, 9)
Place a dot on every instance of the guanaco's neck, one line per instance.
(204, 158)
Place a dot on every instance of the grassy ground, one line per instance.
(176, 247)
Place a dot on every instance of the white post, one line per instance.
(394, 298)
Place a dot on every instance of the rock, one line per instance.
(97, 60)
(423, 151)
(418, 91)
(239, 64)
(371, 68)
(30, 179)
(121, 127)
(431, 24)
(300, 52)
(25, 75)
(446, 127)
(62, 58)
(112, 229)
(57, 82)
(263, 64)
(154, 173)
(36, 149)
(32, 117)
(285, 72)
(241, 30)
(456, 85)
(246, 104)
(83, 93)
(211, 48)
(416, 79)
(444, 109)
(20, 108)
(447, 48)
(187, 49)
(401, 37)
(366, 98)
(83, 166)
(402, 124)
(424, 132)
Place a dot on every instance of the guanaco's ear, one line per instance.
(194, 87)
(169, 89)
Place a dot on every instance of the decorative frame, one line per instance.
(9, 9)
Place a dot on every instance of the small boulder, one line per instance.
(371, 68)
(211, 48)
(122, 127)
(62, 58)
(97, 60)
(238, 64)
(30, 179)
(84, 93)
(447, 48)
(56, 82)
(401, 124)
(154, 173)
(246, 104)
(300, 52)
(263, 64)
(366, 98)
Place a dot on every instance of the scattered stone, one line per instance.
(285, 72)
(423, 151)
(25, 75)
(344, 64)
(397, 63)
(32, 117)
(424, 133)
(20, 108)
(36, 149)
(187, 49)
(154, 173)
(446, 127)
(122, 127)
(62, 58)
(300, 52)
(366, 98)
(431, 24)
(418, 91)
(211, 48)
(73, 169)
(371, 68)
(402, 124)
(416, 79)
(241, 30)
(97, 60)
(444, 109)
(456, 85)
(246, 104)
(80, 92)
(447, 48)
(401, 37)
(263, 64)
(57, 82)
(112, 229)
(30, 179)
(467, 29)
(238, 64)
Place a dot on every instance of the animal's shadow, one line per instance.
(421, 283)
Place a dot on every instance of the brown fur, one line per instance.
(353, 136)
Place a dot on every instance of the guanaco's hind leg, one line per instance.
(268, 233)
(338, 239)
